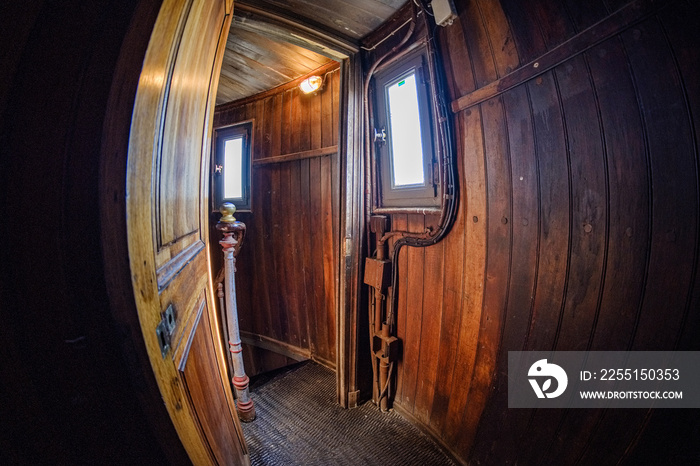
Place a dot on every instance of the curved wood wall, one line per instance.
(576, 128)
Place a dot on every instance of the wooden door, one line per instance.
(167, 226)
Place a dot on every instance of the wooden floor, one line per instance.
(299, 423)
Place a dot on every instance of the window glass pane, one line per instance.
(406, 144)
(233, 168)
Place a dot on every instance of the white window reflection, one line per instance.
(233, 168)
(405, 135)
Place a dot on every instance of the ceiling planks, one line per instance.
(263, 51)
(254, 63)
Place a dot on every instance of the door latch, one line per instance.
(380, 136)
(164, 330)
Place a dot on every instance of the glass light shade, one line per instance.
(311, 84)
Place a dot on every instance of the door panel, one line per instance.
(185, 127)
(197, 368)
(167, 215)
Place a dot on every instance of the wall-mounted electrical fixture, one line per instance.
(444, 11)
(311, 84)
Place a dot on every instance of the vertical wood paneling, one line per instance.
(474, 204)
(455, 55)
(307, 270)
(477, 42)
(451, 314)
(624, 273)
(628, 196)
(588, 197)
(400, 223)
(319, 319)
(555, 239)
(414, 315)
(589, 241)
(586, 14)
(552, 20)
(287, 268)
(498, 231)
(674, 181)
(674, 294)
(579, 193)
(329, 259)
(554, 213)
(500, 40)
(527, 33)
(430, 336)
(524, 268)
(276, 135)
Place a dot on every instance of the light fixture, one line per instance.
(311, 84)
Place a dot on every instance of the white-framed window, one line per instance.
(406, 161)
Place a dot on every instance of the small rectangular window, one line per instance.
(403, 113)
(232, 165)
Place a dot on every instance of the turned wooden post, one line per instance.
(233, 232)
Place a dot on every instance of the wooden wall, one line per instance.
(288, 266)
(576, 131)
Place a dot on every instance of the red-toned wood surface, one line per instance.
(288, 265)
(577, 227)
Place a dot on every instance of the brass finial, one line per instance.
(227, 210)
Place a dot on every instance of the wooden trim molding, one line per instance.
(276, 346)
(307, 154)
(614, 24)
(172, 267)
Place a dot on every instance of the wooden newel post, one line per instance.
(233, 232)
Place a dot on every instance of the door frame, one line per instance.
(352, 228)
(286, 28)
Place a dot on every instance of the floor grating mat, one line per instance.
(299, 423)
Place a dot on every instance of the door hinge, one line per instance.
(165, 328)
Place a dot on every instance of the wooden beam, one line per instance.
(614, 24)
(307, 154)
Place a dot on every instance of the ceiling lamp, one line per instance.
(311, 84)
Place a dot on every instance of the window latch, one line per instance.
(218, 169)
(380, 136)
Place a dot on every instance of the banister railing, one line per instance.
(234, 232)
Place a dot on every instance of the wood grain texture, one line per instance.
(166, 213)
(288, 267)
(198, 371)
(570, 226)
(255, 63)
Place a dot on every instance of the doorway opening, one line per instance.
(289, 277)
